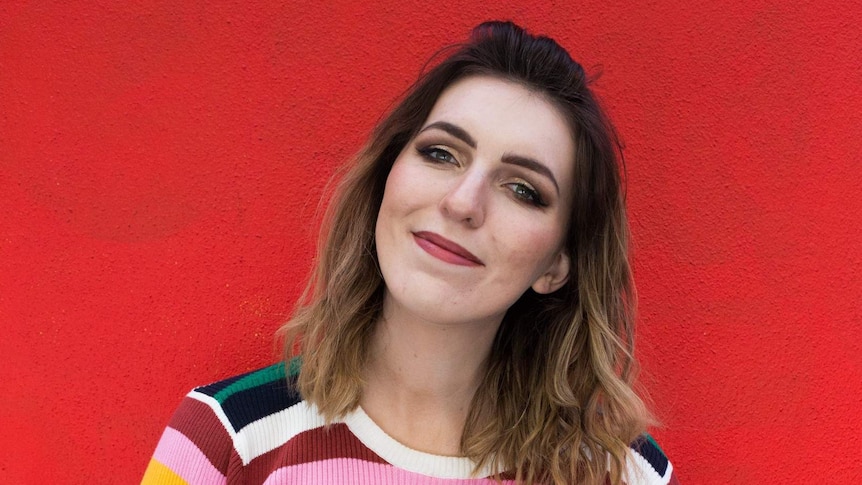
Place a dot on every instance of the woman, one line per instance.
(470, 316)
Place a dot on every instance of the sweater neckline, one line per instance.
(372, 436)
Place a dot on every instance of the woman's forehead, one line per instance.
(506, 116)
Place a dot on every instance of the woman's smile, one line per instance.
(445, 250)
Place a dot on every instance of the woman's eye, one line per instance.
(528, 194)
(436, 154)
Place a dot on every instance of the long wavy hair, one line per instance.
(557, 403)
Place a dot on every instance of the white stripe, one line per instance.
(667, 473)
(267, 433)
(640, 472)
(274, 430)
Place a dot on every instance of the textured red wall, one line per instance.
(161, 162)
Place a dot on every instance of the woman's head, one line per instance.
(476, 206)
(557, 389)
(538, 64)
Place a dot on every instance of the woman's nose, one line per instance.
(464, 201)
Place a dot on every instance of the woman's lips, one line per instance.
(445, 250)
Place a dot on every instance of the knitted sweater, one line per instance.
(253, 429)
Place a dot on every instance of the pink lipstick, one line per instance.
(445, 250)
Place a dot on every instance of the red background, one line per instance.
(161, 163)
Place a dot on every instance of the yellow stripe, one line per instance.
(158, 474)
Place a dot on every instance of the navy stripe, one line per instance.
(646, 447)
(245, 407)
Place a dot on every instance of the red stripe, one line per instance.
(306, 447)
(201, 426)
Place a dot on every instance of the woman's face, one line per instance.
(476, 206)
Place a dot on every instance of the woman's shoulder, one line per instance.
(249, 397)
(648, 464)
(228, 423)
(276, 379)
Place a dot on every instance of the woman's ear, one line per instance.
(556, 276)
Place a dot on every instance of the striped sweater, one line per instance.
(254, 429)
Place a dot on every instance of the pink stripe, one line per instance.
(180, 454)
(353, 471)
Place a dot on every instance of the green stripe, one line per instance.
(258, 378)
(652, 440)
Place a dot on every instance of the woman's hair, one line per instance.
(556, 404)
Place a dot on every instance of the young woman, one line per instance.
(470, 316)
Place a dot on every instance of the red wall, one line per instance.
(160, 165)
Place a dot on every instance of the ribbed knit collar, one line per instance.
(439, 466)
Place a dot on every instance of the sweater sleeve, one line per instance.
(195, 448)
(648, 465)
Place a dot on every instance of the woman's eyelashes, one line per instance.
(524, 192)
(521, 190)
(437, 155)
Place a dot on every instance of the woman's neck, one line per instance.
(421, 378)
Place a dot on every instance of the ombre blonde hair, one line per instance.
(556, 404)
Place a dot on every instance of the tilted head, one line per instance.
(558, 382)
(501, 49)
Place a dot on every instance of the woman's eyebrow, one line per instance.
(521, 161)
(454, 130)
(533, 165)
